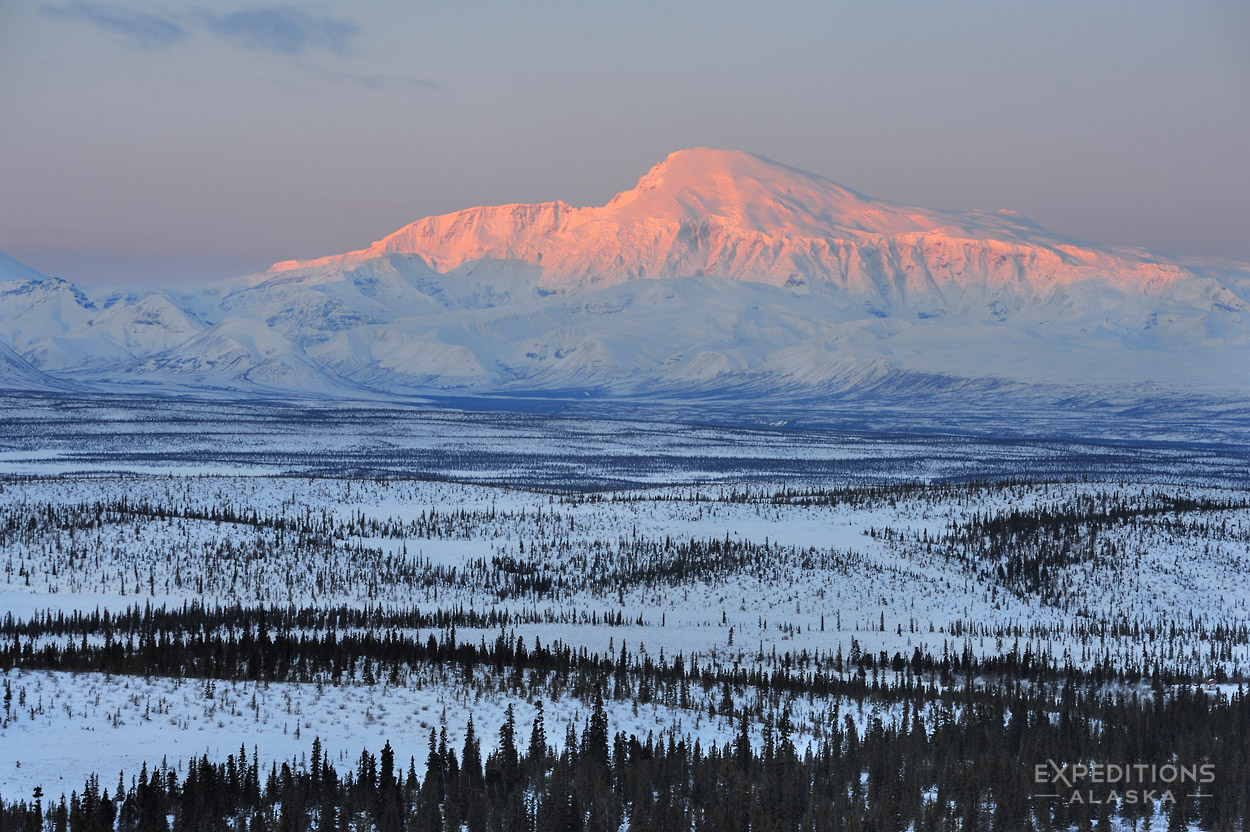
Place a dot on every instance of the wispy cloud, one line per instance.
(277, 30)
(141, 30)
(282, 30)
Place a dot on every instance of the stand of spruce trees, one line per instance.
(957, 770)
(956, 749)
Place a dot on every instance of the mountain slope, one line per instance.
(14, 270)
(235, 354)
(16, 373)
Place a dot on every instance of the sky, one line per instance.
(162, 143)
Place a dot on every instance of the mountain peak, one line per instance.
(700, 167)
(11, 269)
(707, 164)
(741, 216)
(744, 191)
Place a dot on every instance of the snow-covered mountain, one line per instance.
(736, 215)
(719, 273)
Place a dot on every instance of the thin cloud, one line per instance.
(141, 30)
(282, 30)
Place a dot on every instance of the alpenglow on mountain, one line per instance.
(721, 274)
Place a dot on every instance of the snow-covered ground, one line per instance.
(93, 723)
(812, 576)
(866, 570)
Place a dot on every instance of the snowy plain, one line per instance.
(870, 566)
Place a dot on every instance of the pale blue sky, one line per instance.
(156, 141)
